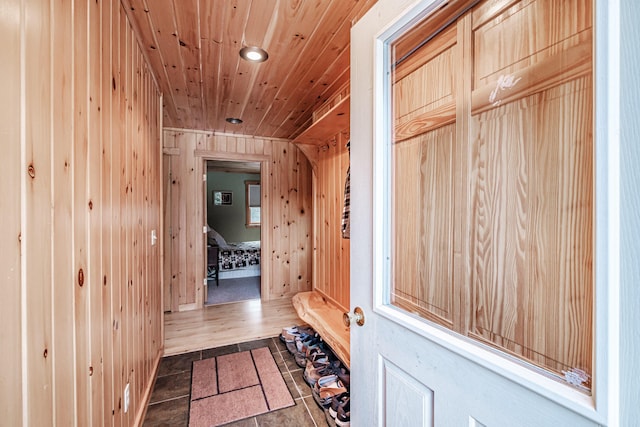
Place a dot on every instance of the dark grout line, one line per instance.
(169, 400)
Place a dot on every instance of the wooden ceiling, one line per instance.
(193, 45)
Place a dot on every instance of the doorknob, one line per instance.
(357, 317)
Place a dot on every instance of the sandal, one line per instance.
(290, 333)
(314, 371)
(326, 388)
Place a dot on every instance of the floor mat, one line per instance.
(236, 386)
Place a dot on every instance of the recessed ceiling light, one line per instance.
(234, 120)
(253, 54)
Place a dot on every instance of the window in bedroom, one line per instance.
(253, 203)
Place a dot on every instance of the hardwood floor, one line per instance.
(220, 325)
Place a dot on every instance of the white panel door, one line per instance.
(407, 371)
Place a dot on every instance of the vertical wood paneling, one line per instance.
(82, 133)
(120, 175)
(135, 189)
(10, 205)
(106, 203)
(127, 339)
(80, 231)
(331, 260)
(94, 209)
(62, 182)
(422, 211)
(538, 209)
(286, 238)
(188, 215)
(118, 97)
(198, 242)
(167, 192)
(36, 211)
(281, 284)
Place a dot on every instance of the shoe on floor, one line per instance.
(343, 415)
(316, 370)
(290, 333)
(326, 388)
(336, 403)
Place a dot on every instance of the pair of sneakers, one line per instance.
(340, 411)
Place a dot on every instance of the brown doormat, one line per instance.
(236, 386)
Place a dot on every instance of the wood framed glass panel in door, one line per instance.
(492, 180)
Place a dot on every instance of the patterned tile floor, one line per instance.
(169, 403)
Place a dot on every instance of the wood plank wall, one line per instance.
(81, 300)
(286, 216)
(332, 252)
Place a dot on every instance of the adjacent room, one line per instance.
(233, 236)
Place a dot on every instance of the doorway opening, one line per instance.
(233, 239)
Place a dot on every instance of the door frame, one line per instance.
(265, 215)
(603, 406)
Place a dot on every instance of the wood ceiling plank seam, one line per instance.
(134, 12)
(231, 44)
(185, 13)
(212, 54)
(254, 30)
(257, 30)
(165, 33)
(319, 46)
(257, 15)
(340, 65)
(184, 73)
(279, 98)
(135, 27)
(330, 91)
(341, 41)
(284, 51)
(172, 120)
(330, 82)
(201, 84)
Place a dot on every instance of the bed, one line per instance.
(238, 259)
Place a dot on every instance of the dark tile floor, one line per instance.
(169, 403)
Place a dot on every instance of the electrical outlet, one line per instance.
(154, 237)
(126, 398)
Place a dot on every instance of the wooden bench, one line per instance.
(325, 317)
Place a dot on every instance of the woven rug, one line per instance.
(236, 386)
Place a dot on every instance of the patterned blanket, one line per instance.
(239, 255)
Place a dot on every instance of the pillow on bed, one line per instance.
(213, 234)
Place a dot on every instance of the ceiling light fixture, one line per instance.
(253, 54)
(234, 120)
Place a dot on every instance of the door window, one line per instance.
(491, 177)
